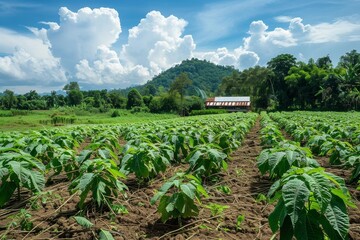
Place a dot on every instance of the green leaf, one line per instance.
(6, 189)
(84, 222)
(103, 153)
(336, 215)
(278, 164)
(286, 229)
(319, 185)
(295, 193)
(105, 235)
(188, 189)
(314, 231)
(276, 218)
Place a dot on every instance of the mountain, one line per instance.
(205, 76)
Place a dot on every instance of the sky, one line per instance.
(115, 44)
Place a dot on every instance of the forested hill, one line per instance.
(203, 74)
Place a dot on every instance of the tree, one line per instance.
(32, 95)
(134, 99)
(74, 95)
(71, 86)
(280, 66)
(9, 99)
(324, 62)
(350, 58)
(52, 99)
(179, 85)
(117, 100)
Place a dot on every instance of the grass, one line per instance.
(31, 120)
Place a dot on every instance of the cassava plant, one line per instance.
(101, 178)
(19, 169)
(179, 197)
(146, 160)
(206, 160)
(276, 161)
(311, 204)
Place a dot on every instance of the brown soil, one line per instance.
(53, 219)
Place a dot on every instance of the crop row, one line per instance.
(310, 202)
(325, 139)
(96, 160)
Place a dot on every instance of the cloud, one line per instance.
(302, 40)
(10, 41)
(28, 61)
(284, 19)
(23, 68)
(79, 34)
(238, 58)
(338, 31)
(156, 43)
(82, 47)
(107, 71)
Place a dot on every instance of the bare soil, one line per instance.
(54, 219)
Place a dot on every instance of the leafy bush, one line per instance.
(311, 205)
(280, 159)
(178, 197)
(115, 113)
(206, 160)
(146, 160)
(19, 169)
(101, 177)
(138, 109)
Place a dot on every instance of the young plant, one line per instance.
(311, 205)
(206, 160)
(239, 220)
(224, 189)
(216, 209)
(146, 160)
(101, 177)
(280, 159)
(271, 135)
(19, 169)
(338, 150)
(178, 197)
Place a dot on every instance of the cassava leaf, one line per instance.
(84, 222)
(336, 215)
(295, 194)
(105, 235)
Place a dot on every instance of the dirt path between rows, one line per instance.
(238, 189)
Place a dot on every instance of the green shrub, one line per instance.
(115, 114)
(139, 109)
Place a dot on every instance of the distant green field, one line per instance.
(26, 120)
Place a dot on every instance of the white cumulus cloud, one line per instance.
(107, 71)
(79, 34)
(157, 43)
(23, 68)
(28, 61)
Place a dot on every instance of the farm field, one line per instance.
(226, 176)
(22, 120)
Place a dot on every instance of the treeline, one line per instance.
(288, 84)
(171, 100)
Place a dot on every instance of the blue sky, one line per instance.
(116, 44)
